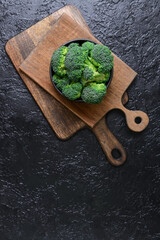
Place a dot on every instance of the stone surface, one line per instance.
(64, 190)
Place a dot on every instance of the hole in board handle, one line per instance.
(138, 120)
(116, 154)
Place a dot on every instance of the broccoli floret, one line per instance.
(73, 45)
(85, 53)
(57, 61)
(74, 75)
(60, 82)
(72, 91)
(101, 57)
(107, 76)
(93, 93)
(89, 71)
(88, 46)
(82, 71)
(87, 74)
(90, 74)
(75, 58)
(74, 62)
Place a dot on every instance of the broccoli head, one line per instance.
(75, 58)
(74, 75)
(107, 76)
(72, 91)
(74, 62)
(81, 71)
(101, 57)
(88, 46)
(90, 74)
(73, 45)
(93, 93)
(60, 82)
(90, 70)
(57, 61)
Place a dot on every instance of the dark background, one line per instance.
(64, 190)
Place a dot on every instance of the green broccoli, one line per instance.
(82, 71)
(72, 91)
(73, 45)
(57, 61)
(74, 62)
(93, 93)
(107, 76)
(60, 82)
(88, 46)
(75, 58)
(90, 74)
(101, 57)
(90, 70)
(74, 75)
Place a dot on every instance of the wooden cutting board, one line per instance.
(56, 114)
(37, 64)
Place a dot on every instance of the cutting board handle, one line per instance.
(109, 144)
(137, 121)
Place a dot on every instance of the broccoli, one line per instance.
(93, 93)
(57, 61)
(72, 91)
(81, 71)
(74, 75)
(101, 57)
(74, 62)
(89, 71)
(90, 74)
(107, 76)
(75, 58)
(60, 82)
(73, 45)
(88, 46)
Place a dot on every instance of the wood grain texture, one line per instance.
(36, 66)
(56, 114)
(109, 143)
(54, 111)
(50, 107)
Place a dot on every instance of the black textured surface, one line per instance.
(64, 190)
